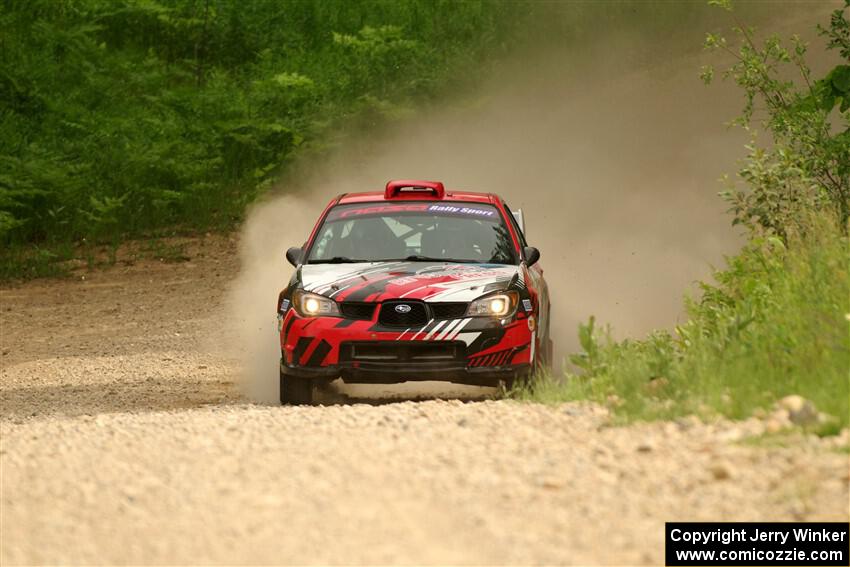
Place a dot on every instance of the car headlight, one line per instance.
(498, 305)
(312, 305)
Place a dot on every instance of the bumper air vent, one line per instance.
(448, 310)
(357, 310)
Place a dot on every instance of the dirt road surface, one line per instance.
(124, 439)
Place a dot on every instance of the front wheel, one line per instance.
(295, 391)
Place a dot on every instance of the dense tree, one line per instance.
(122, 116)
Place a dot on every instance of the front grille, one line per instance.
(448, 310)
(402, 351)
(415, 317)
(357, 310)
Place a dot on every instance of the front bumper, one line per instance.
(392, 373)
(476, 351)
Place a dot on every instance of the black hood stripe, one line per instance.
(350, 278)
(375, 286)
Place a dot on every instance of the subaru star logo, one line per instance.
(402, 308)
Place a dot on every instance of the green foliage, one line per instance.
(588, 358)
(132, 118)
(775, 322)
(808, 166)
(35, 262)
(121, 117)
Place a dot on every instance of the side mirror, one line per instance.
(532, 255)
(293, 255)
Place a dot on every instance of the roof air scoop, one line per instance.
(414, 189)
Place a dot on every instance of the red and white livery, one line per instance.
(413, 283)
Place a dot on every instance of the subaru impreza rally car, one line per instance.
(413, 283)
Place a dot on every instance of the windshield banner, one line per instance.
(485, 212)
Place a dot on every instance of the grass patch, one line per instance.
(20, 263)
(775, 323)
(166, 251)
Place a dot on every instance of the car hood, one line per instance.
(429, 281)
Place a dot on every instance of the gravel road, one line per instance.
(124, 439)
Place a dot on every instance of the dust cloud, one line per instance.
(615, 161)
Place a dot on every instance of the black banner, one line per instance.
(757, 543)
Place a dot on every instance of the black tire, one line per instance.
(295, 391)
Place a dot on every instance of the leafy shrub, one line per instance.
(808, 166)
(120, 118)
(774, 322)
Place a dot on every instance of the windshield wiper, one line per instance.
(336, 260)
(421, 258)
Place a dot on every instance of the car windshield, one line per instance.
(415, 231)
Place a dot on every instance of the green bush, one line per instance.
(133, 118)
(119, 118)
(775, 322)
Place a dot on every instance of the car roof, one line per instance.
(449, 196)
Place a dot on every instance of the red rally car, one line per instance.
(413, 283)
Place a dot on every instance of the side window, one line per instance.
(514, 224)
(330, 237)
(320, 249)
